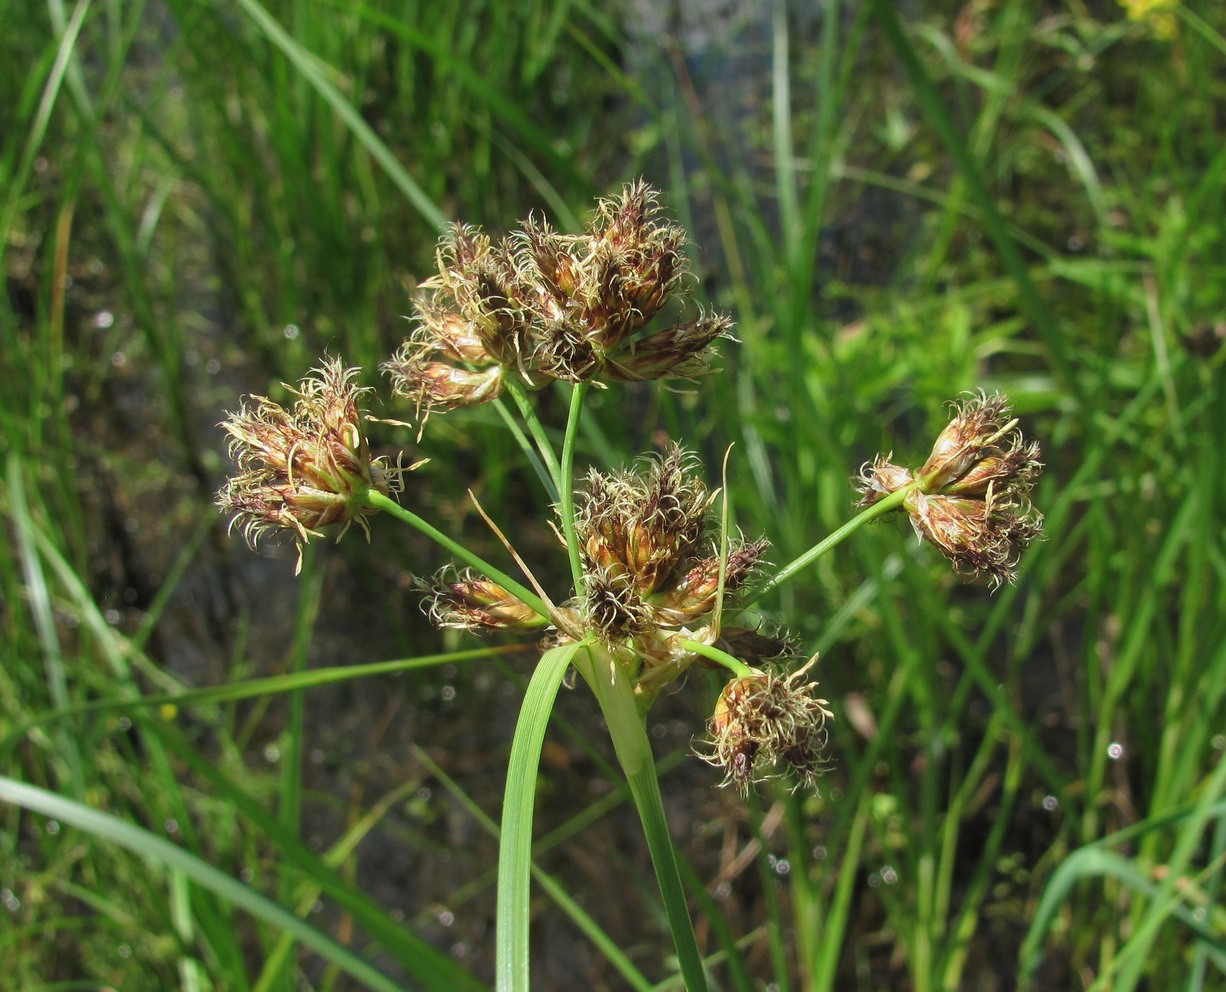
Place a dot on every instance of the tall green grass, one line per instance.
(196, 200)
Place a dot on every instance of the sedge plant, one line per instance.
(658, 584)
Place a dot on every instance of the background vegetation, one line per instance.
(199, 199)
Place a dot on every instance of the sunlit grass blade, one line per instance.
(110, 829)
(605, 944)
(1100, 859)
(433, 969)
(515, 842)
(250, 688)
(476, 80)
(277, 963)
(38, 594)
(37, 131)
(928, 97)
(307, 66)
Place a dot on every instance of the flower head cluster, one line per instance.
(647, 566)
(305, 468)
(651, 581)
(767, 720)
(971, 498)
(470, 601)
(648, 570)
(542, 306)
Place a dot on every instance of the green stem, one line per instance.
(290, 813)
(615, 694)
(378, 501)
(883, 506)
(566, 484)
(714, 654)
(543, 471)
(519, 394)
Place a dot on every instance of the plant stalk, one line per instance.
(834, 538)
(615, 694)
(378, 501)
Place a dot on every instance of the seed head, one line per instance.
(971, 498)
(767, 720)
(984, 535)
(978, 428)
(543, 305)
(469, 601)
(437, 385)
(612, 607)
(651, 574)
(641, 261)
(677, 352)
(474, 310)
(306, 468)
(693, 593)
(643, 526)
(881, 478)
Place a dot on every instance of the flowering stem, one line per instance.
(537, 430)
(714, 654)
(566, 484)
(543, 471)
(378, 501)
(626, 728)
(881, 507)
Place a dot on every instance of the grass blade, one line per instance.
(109, 828)
(928, 97)
(307, 66)
(515, 845)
